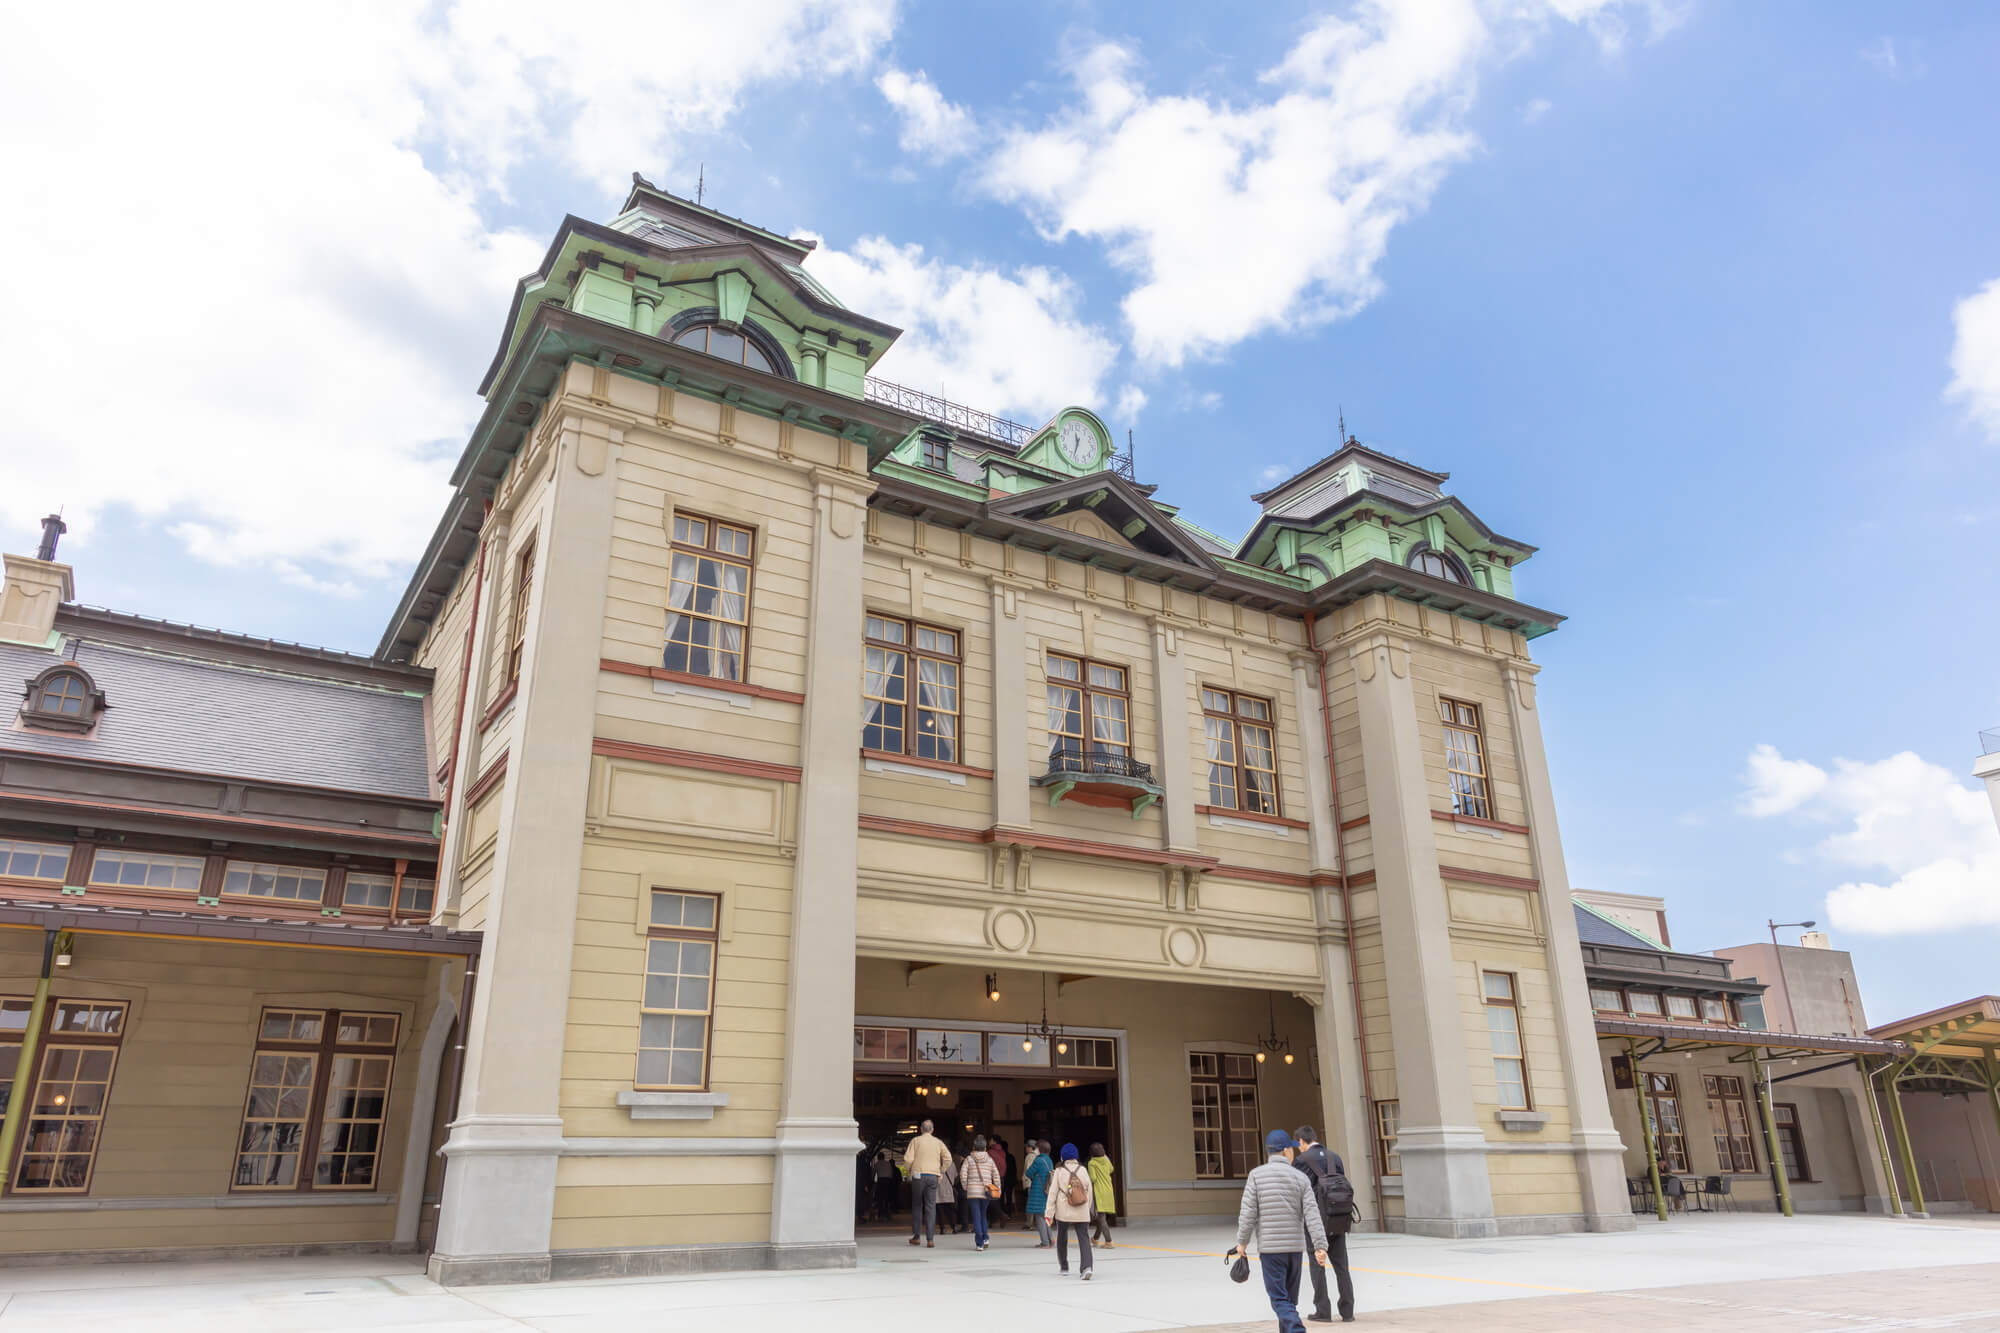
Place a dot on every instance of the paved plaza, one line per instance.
(1848, 1273)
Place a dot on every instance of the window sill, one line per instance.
(910, 766)
(1473, 823)
(675, 682)
(499, 705)
(1215, 812)
(1522, 1122)
(672, 1105)
(71, 1203)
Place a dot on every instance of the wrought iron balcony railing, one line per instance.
(1070, 760)
(946, 413)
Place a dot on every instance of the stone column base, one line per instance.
(1446, 1189)
(812, 1184)
(499, 1197)
(1600, 1172)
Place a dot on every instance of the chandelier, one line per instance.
(1052, 1035)
(1270, 1043)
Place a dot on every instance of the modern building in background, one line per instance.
(800, 755)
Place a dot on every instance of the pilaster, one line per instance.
(499, 1191)
(1446, 1189)
(493, 538)
(1010, 705)
(1600, 1157)
(1175, 770)
(812, 1193)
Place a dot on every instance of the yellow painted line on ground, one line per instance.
(1382, 1272)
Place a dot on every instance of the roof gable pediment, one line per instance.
(1105, 500)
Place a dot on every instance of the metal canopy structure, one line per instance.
(1954, 1049)
(1756, 1048)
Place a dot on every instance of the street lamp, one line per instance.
(1784, 982)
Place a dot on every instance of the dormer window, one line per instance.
(937, 455)
(1439, 565)
(63, 698)
(718, 341)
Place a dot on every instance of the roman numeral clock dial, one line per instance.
(1077, 443)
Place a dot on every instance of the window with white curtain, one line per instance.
(708, 597)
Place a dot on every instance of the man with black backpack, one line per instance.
(1336, 1208)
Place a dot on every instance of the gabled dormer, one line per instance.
(669, 268)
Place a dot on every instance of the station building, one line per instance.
(807, 754)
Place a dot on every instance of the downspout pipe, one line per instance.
(24, 1063)
(1347, 926)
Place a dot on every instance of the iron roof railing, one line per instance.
(947, 413)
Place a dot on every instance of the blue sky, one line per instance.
(1694, 296)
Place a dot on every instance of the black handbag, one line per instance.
(1240, 1270)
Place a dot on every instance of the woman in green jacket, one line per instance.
(1102, 1196)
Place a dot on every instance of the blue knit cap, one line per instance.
(1069, 1152)
(1277, 1141)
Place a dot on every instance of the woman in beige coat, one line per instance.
(1068, 1209)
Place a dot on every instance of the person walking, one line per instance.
(979, 1182)
(947, 1202)
(885, 1186)
(1279, 1212)
(1327, 1183)
(1036, 1177)
(1069, 1207)
(1104, 1201)
(997, 1150)
(927, 1160)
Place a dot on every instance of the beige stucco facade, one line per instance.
(601, 778)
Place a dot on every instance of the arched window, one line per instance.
(63, 694)
(1428, 559)
(63, 698)
(746, 344)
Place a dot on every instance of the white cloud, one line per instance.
(1004, 341)
(1906, 821)
(1131, 402)
(1975, 357)
(931, 126)
(1235, 219)
(1273, 472)
(1775, 785)
(1895, 61)
(264, 281)
(1536, 110)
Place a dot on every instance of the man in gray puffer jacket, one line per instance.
(1278, 1207)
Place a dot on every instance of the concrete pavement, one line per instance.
(1158, 1277)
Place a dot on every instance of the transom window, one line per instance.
(65, 1114)
(1080, 690)
(145, 870)
(1607, 999)
(708, 597)
(33, 860)
(1222, 1087)
(679, 994)
(317, 1102)
(1088, 1053)
(1681, 1007)
(1242, 757)
(373, 892)
(1729, 1121)
(1465, 758)
(1714, 1010)
(255, 879)
(887, 724)
(885, 1044)
(1503, 1035)
(1645, 1003)
(1388, 1120)
(730, 346)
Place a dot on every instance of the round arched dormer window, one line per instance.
(746, 344)
(63, 698)
(1438, 564)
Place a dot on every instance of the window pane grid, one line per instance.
(1222, 1089)
(1503, 1035)
(679, 992)
(1729, 1119)
(1241, 751)
(708, 598)
(887, 724)
(63, 694)
(33, 860)
(252, 879)
(1465, 758)
(1388, 1120)
(350, 1136)
(59, 1141)
(145, 870)
(1098, 694)
(1663, 1112)
(318, 1097)
(524, 577)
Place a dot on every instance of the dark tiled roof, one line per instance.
(1594, 929)
(168, 711)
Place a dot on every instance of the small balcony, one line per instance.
(1099, 775)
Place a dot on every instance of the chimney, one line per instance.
(1815, 939)
(33, 589)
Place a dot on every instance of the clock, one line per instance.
(1077, 442)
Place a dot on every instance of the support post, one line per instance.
(1646, 1129)
(24, 1063)
(1776, 1158)
(1881, 1139)
(1992, 1086)
(1903, 1143)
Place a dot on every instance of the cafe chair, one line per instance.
(1718, 1188)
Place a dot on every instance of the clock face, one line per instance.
(1077, 442)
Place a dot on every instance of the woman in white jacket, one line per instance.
(1068, 1209)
